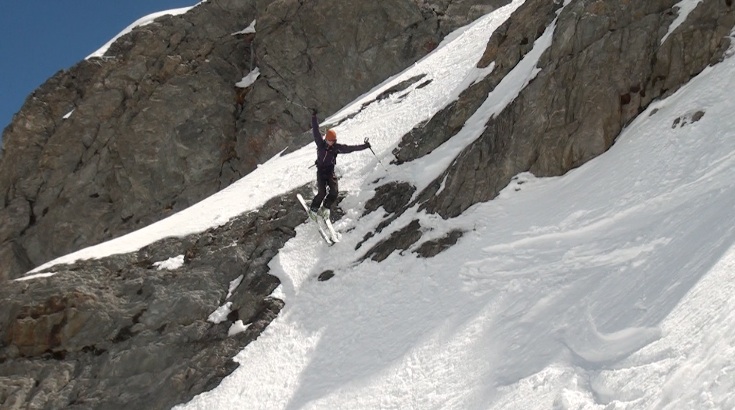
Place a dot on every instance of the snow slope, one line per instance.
(610, 287)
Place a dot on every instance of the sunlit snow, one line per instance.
(170, 263)
(219, 315)
(247, 30)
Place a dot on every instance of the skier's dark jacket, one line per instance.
(326, 157)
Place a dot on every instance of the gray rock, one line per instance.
(592, 83)
(605, 66)
(392, 197)
(15, 259)
(399, 240)
(119, 333)
(434, 247)
(453, 14)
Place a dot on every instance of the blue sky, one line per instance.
(40, 37)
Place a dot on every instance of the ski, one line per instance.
(319, 227)
(332, 232)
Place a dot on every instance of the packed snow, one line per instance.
(170, 263)
(247, 30)
(611, 287)
(219, 315)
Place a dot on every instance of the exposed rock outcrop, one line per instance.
(120, 332)
(606, 64)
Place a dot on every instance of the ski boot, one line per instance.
(313, 214)
(324, 213)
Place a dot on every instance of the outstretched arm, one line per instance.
(345, 149)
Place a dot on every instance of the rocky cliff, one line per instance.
(124, 332)
(158, 124)
(606, 63)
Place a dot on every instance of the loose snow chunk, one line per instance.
(249, 79)
(237, 327)
(219, 315)
(170, 263)
(233, 285)
(249, 30)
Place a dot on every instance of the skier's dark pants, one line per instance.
(322, 181)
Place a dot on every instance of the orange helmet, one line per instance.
(331, 135)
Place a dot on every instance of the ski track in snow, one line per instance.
(608, 288)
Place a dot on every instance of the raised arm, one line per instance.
(315, 129)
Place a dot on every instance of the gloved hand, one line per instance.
(367, 142)
(313, 112)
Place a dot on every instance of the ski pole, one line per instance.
(300, 105)
(376, 155)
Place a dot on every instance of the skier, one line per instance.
(327, 150)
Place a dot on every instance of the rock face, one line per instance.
(156, 125)
(606, 64)
(121, 333)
